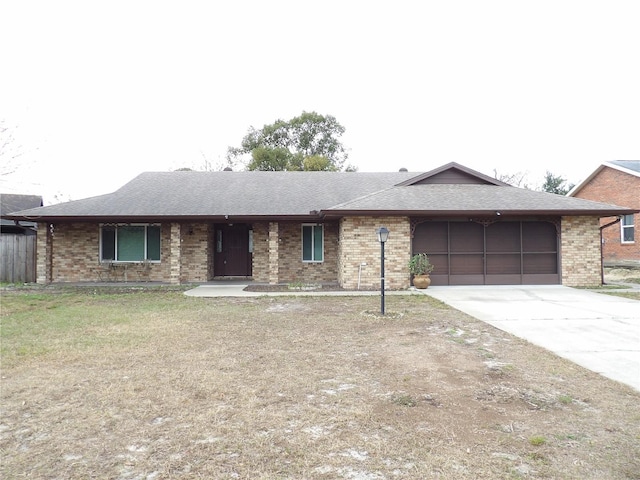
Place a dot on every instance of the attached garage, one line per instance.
(505, 252)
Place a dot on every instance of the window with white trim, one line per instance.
(312, 243)
(627, 233)
(130, 243)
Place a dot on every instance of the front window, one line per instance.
(627, 234)
(312, 243)
(130, 243)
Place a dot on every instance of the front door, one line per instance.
(232, 250)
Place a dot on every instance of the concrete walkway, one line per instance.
(597, 331)
(237, 289)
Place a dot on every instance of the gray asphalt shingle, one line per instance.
(282, 194)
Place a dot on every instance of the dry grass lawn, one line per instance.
(157, 385)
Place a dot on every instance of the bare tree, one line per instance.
(518, 179)
(9, 151)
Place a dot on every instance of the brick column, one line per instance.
(274, 254)
(359, 246)
(174, 259)
(44, 254)
(580, 244)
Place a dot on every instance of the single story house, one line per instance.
(616, 182)
(320, 227)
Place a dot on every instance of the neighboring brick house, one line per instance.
(616, 182)
(282, 227)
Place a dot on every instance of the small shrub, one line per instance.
(537, 441)
(565, 399)
(405, 400)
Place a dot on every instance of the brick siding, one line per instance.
(359, 244)
(277, 254)
(291, 268)
(580, 246)
(70, 252)
(260, 267)
(619, 188)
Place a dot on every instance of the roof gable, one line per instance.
(452, 174)
(630, 167)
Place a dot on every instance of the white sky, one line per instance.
(98, 92)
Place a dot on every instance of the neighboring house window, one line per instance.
(627, 233)
(130, 243)
(312, 243)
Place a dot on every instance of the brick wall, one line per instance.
(70, 252)
(580, 246)
(619, 188)
(43, 254)
(277, 254)
(76, 250)
(260, 267)
(291, 266)
(194, 253)
(358, 244)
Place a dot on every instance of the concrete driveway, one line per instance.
(597, 331)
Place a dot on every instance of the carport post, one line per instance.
(383, 236)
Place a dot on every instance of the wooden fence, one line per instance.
(17, 258)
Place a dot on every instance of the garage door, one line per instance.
(499, 253)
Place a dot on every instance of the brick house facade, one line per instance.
(319, 227)
(617, 183)
(351, 249)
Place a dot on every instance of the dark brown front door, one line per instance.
(231, 246)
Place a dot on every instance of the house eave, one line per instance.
(475, 213)
(230, 218)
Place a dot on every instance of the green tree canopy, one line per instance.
(307, 142)
(555, 184)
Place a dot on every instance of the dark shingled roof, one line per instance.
(154, 196)
(216, 194)
(10, 202)
(472, 200)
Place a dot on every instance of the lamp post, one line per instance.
(383, 236)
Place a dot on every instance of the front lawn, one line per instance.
(156, 385)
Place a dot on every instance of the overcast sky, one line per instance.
(98, 92)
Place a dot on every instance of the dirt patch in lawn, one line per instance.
(621, 274)
(153, 387)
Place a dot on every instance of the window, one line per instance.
(130, 243)
(627, 232)
(312, 243)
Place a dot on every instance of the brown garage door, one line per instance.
(499, 253)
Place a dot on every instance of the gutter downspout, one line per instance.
(601, 249)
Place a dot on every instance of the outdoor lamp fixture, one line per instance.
(383, 236)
